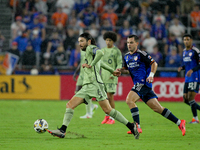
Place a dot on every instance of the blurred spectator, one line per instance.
(46, 63)
(42, 19)
(93, 30)
(17, 27)
(186, 8)
(80, 5)
(28, 57)
(26, 18)
(67, 5)
(36, 42)
(54, 42)
(29, 5)
(59, 17)
(154, 6)
(22, 42)
(75, 57)
(159, 31)
(106, 25)
(172, 6)
(172, 60)
(171, 43)
(37, 26)
(149, 43)
(133, 17)
(177, 29)
(71, 39)
(61, 31)
(123, 6)
(110, 15)
(145, 17)
(88, 16)
(14, 49)
(157, 56)
(123, 33)
(160, 16)
(77, 25)
(195, 19)
(98, 6)
(140, 32)
(2, 39)
(41, 6)
(60, 57)
(100, 41)
(134, 6)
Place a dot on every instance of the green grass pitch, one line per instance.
(17, 133)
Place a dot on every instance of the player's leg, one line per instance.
(112, 104)
(110, 88)
(73, 103)
(155, 106)
(190, 96)
(119, 117)
(131, 99)
(90, 109)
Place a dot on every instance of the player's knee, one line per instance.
(129, 102)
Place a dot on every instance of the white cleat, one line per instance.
(86, 116)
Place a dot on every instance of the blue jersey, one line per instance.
(190, 61)
(139, 66)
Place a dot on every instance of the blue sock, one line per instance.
(135, 115)
(193, 106)
(167, 114)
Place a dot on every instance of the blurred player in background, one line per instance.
(92, 87)
(90, 107)
(142, 68)
(113, 58)
(191, 65)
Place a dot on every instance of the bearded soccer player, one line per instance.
(90, 107)
(191, 66)
(92, 87)
(113, 59)
(142, 68)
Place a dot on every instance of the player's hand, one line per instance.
(179, 69)
(86, 65)
(149, 79)
(189, 73)
(111, 77)
(116, 73)
(74, 77)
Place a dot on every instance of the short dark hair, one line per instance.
(187, 35)
(87, 36)
(111, 35)
(136, 38)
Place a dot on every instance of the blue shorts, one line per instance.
(145, 93)
(191, 87)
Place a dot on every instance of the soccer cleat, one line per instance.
(58, 133)
(194, 121)
(182, 127)
(94, 108)
(105, 119)
(110, 121)
(86, 116)
(135, 131)
(139, 130)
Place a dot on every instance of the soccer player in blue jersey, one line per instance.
(191, 66)
(142, 68)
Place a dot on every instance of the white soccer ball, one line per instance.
(40, 126)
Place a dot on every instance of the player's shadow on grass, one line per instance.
(73, 135)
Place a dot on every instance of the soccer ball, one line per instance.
(40, 125)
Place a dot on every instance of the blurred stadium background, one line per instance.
(39, 37)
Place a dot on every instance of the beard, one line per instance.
(84, 48)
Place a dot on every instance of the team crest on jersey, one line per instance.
(149, 57)
(135, 58)
(126, 58)
(190, 54)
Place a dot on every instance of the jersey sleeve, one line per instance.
(197, 58)
(146, 58)
(124, 63)
(119, 59)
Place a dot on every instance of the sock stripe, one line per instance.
(135, 113)
(167, 113)
(192, 102)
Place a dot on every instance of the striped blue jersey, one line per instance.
(139, 66)
(190, 61)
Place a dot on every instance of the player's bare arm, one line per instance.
(153, 71)
(123, 70)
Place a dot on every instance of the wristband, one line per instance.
(151, 74)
